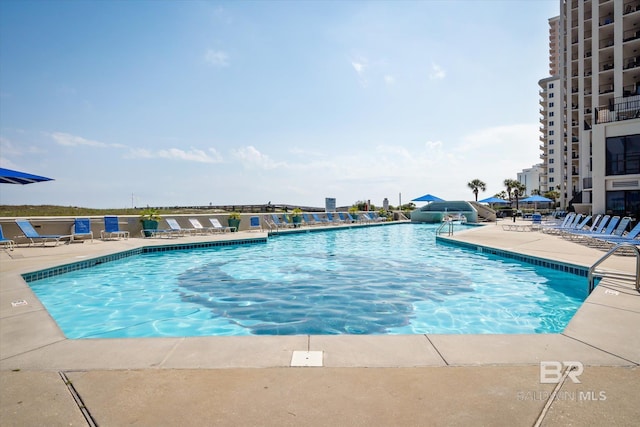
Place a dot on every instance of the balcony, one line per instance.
(623, 108)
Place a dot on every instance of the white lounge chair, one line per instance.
(219, 227)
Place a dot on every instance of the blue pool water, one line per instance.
(376, 280)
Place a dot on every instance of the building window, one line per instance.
(623, 155)
(551, 171)
(624, 203)
(551, 123)
(551, 142)
(550, 85)
(551, 95)
(550, 160)
(551, 179)
(551, 112)
(551, 132)
(551, 105)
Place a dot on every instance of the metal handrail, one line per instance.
(592, 270)
(443, 224)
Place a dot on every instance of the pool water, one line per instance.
(376, 280)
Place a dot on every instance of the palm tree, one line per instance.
(477, 185)
(510, 184)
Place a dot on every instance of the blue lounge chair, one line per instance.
(630, 237)
(597, 227)
(6, 242)
(319, 220)
(613, 222)
(551, 228)
(307, 219)
(112, 229)
(334, 219)
(353, 218)
(275, 219)
(81, 228)
(33, 236)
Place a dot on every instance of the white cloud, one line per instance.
(437, 72)
(250, 157)
(390, 80)
(193, 155)
(217, 58)
(73, 140)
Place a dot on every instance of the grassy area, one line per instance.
(52, 210)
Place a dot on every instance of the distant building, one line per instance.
(530, 178)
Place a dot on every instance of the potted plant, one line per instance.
(149, 218)
(296, 217)
(234, 220)
(353, 211)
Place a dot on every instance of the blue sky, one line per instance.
(166, 103)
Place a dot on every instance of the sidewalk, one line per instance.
(365, 380)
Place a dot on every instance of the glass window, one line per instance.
(623, 155)
(623, 203)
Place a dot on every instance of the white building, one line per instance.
(530, 178)
(596, 151)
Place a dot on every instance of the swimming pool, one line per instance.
(375, 280)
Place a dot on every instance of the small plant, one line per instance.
(234, 215)
(296, 211)
(353, 210)
(150, 214)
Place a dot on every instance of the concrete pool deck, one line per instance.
(365, 380)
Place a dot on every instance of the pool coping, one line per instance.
(31, 339)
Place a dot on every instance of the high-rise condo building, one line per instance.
(590, 107)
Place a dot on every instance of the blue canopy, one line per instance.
(428, 198)
(536, 199)
(8, 176)
(494, 200)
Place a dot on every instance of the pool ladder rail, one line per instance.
(445, 223)
(621, 276)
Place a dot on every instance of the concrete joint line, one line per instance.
(549, 402)
(600, 349)
(85, 412)
(436, 349)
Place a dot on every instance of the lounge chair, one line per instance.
(276, 221)
(609, 241)
(33, 236)
(343, 216)
(319, 220)
(199, 228)
(334, 219)
(597, 227)
(8, 243)
(353, 217)
(581, 236)
(81, 228)
(308, 220)
(570, 221)
(112, 229)
(177, 229)
(219, 227)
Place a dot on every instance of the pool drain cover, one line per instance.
(306, 358)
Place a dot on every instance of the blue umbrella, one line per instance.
(492, 200)
(8, 176)
(428, 198)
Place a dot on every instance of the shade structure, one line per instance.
(535, 199)
(428, 198)
(494, 200)
(8, 176)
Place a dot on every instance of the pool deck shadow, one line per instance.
(365, 380)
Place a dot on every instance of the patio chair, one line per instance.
(582, 236)
(177, 229)
(81, 228)
(254, 223)
(219, 227)
(609, 241)
(112, 229)
(308, 220)
(279, 224)
(33, 236)
(199, 228)
(333, 219)
(8, 243)
(319, 220)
